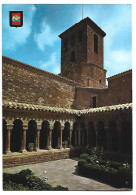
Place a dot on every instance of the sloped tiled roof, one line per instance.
(107, 108)
(87, 21)
(23, 106)
(120, 74)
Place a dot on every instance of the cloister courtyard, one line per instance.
(64, 172)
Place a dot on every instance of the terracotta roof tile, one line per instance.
(23, 106)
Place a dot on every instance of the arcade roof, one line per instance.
(23, 106)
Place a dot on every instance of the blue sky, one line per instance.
(37, 42)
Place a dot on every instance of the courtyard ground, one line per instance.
(63, 172)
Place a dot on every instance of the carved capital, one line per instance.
(9, 127)
(38, 127)
(25, 127)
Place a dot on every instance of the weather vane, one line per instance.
(82, 11)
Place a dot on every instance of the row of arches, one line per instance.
(112, 139)
(16, 135)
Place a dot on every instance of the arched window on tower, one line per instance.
(95, 43)
(73, 56)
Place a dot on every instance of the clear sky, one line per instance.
(37, 42)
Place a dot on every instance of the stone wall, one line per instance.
(26, 84)
(18, 159)
(119, 91)
(93, 57)
(120, 88)
(84, 97)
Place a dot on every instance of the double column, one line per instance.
(9, 128)
(119, 128)
(70, 137)
(23, 148)
(59, 146)
(49, 139)
(87, 134)
(37, 141)
(106, 128)
(96, 132)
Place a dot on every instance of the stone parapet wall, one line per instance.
(17, 159)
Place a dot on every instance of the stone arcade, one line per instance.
(69, 112)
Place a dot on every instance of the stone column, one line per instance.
(106, 128)
(76, 138)
(23, 149)
(9, 128)
(60, 146)
(87, 135)
(96, 131)
(79, 136)
(38, 138)
(119, 128)
(50, 139)
(82, 138)
(70, 137)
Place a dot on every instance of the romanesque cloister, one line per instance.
(106, 127)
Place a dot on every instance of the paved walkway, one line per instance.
(63, 172)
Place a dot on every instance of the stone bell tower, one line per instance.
(82, 54)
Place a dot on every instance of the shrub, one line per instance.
(125, 176)
(60, 188)
(115, 165)
(14, 187)
(85, 156)
(26, 180)
(111, 172)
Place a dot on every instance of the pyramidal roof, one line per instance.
(85, 21)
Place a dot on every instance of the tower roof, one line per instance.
(85, 21)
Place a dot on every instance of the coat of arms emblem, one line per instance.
(16, 18)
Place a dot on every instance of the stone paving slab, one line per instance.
(63, 172)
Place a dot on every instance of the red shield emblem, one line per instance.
(16, 18)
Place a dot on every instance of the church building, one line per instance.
(48, 116)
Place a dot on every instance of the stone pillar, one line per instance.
(23, 149)
(96, 131)
(106, 128)
(87, 135)
(79, 136)
(38, 138)
(50, 139)
(70, 137)
(9, 128)
(119, 128)
(60, 146)
(76, 138)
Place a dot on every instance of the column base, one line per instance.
(48, 148)
(36, 149)
(8, 152)
(23, 151)
(59, 147)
